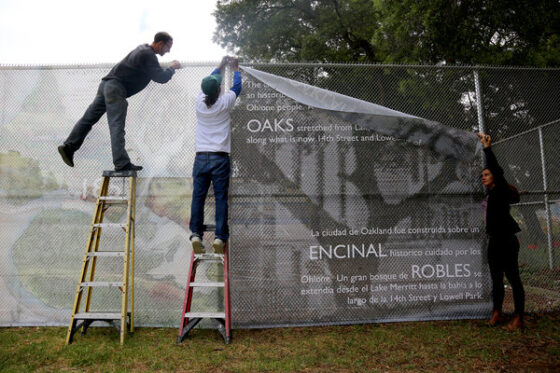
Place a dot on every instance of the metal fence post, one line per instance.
(478, 93)
(546, 203)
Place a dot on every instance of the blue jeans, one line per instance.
(110, 99)
(214, 168)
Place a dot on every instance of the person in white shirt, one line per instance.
(213, 145)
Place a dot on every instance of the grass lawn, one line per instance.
(440, 346)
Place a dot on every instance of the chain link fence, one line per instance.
(303, 179)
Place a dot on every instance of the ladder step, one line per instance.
(98, 316)
(114, 199)
(209, 315)
(103, 225)
(101, 284)
(111, 173)
(209, 256)
(106, 253)
(207, 284)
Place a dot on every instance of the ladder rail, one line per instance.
(97, 237)
(226, 293)
(132, 201)
(188, 295)
(124, 318)
(190, 319)
(127, 242)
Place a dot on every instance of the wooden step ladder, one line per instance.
(221, 319)
(123, 320)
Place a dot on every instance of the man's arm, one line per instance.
(237, 84)
(155, 71)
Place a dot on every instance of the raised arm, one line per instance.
(512, 195)
(237, 84)
(491, 161)
(221, 67)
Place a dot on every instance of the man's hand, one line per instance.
(223, 64)
(234, 63)
(485, 139)
(175, 64)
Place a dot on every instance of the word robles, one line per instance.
(346, 251)
(441, 270)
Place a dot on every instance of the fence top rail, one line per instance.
(101, 65)
(528, 131)
(287, 64)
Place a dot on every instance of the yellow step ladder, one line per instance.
(123, 320)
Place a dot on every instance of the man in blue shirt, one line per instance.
(125, 79)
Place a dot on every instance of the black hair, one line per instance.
(211, 100)
(162, 36)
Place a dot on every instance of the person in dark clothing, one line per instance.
(125, 79)
(503, 245)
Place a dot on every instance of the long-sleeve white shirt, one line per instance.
(213, 132)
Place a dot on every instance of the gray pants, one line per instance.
(110, 98)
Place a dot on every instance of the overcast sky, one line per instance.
(103, 31)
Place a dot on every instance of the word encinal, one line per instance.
(346, 251)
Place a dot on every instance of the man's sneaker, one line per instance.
(67, 155)
(197, 245)
(218, 246)
(129, 167)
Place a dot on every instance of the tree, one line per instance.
(496, 32)
(298, 30)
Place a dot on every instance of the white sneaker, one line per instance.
(197, 245)
(218, 246)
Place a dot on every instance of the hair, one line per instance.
(514, 195)
(162, 36)
(211, 100)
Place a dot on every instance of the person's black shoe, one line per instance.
(67, 155)
(129, 167)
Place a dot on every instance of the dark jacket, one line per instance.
(498, 218)
(138, 68)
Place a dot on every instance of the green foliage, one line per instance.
(495, 32)
(297, 30)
